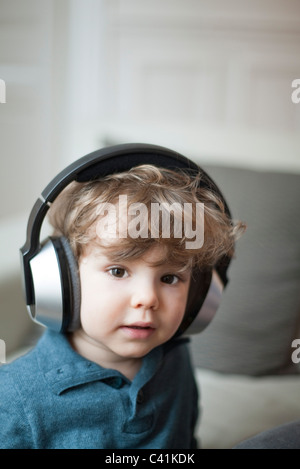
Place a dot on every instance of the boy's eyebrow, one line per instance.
(171, 266)
(100, 252)
(110, 256)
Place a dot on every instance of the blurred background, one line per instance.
(209, 78)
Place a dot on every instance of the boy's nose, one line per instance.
(145, 296)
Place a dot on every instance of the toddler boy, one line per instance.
(123, 379)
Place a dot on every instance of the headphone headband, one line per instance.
(103, 162)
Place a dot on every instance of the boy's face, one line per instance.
(128, 308)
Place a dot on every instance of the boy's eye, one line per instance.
(170, 279)
(118, 272)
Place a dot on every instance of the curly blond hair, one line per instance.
(75, 213)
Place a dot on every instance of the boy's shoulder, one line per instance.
(25, 371)
(19, 365)
(23, 391)
(17, 379)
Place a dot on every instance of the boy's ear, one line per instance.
(56, 286)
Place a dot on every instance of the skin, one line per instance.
(127, 308)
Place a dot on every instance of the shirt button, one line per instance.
(140, 397)
(117, 383)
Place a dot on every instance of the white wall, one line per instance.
(26, 140)
(212, 78)
(25, 65)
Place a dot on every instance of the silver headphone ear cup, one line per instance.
(56, 286)
(47, 309)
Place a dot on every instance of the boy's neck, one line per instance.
(89, 350)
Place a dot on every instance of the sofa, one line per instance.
(247, 380)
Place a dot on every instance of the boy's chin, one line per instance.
(136, 351)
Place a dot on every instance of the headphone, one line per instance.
(51, 280)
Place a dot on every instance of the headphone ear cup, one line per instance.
(71, 320)
(204, 297)
(56, 286)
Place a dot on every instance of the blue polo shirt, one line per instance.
(53, 398)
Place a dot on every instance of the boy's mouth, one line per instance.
(138, 330)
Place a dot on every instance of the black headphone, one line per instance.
(50, 271)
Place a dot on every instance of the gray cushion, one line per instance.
(260, 311)
(15, 325)
(285, 436)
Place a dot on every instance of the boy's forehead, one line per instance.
(154, 255)
(111, 249)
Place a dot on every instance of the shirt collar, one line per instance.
(64, 368)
